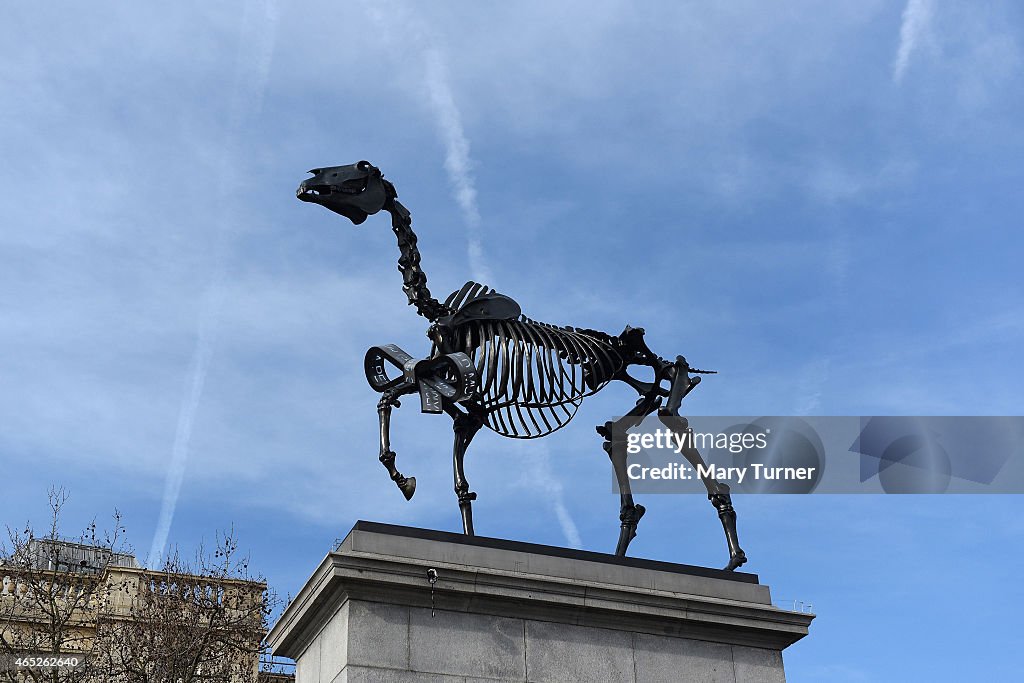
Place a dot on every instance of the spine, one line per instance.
(413, 278)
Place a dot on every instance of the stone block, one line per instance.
(366, 674)
(560, 653)
(378, 634)
(461, 644)
(758, 665)
(663, 659)
(307, 665)
(333, 643)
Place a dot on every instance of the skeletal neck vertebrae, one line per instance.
(413, 278)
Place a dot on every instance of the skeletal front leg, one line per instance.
(387, 456)
(466, 426)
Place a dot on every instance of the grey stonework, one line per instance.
(517, 612)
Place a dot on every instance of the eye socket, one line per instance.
(363, 165)
(334, 175)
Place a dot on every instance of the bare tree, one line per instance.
(53, 590)
(191, 621)
(187, 622)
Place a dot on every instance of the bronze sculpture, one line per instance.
(492, 366)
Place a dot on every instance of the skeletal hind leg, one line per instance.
(466, 426)
(387, 456)
(718, 493)
(723, 503)
(629, 512)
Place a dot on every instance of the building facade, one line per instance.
(107, 619)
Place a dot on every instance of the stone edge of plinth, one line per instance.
(485, 542)
(355, 571)
(552, 563)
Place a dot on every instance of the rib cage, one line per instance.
(533, 376)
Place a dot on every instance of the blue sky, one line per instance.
(820, 200)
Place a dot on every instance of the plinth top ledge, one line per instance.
(479, 556)
(472, 550)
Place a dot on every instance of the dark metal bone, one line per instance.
(465, 426)
(525, 378)
(387, 456)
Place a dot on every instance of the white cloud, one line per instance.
(990, 62)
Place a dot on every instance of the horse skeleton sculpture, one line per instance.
(492, 366)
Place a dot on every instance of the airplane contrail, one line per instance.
(448, 119)
(457, 161)
(917, 16)
(253, 59)
(459, 166)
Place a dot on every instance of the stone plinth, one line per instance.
(508, 611)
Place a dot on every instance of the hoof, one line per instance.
(627, 530)
(738, 560)
(640, 510)
(408, 487)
